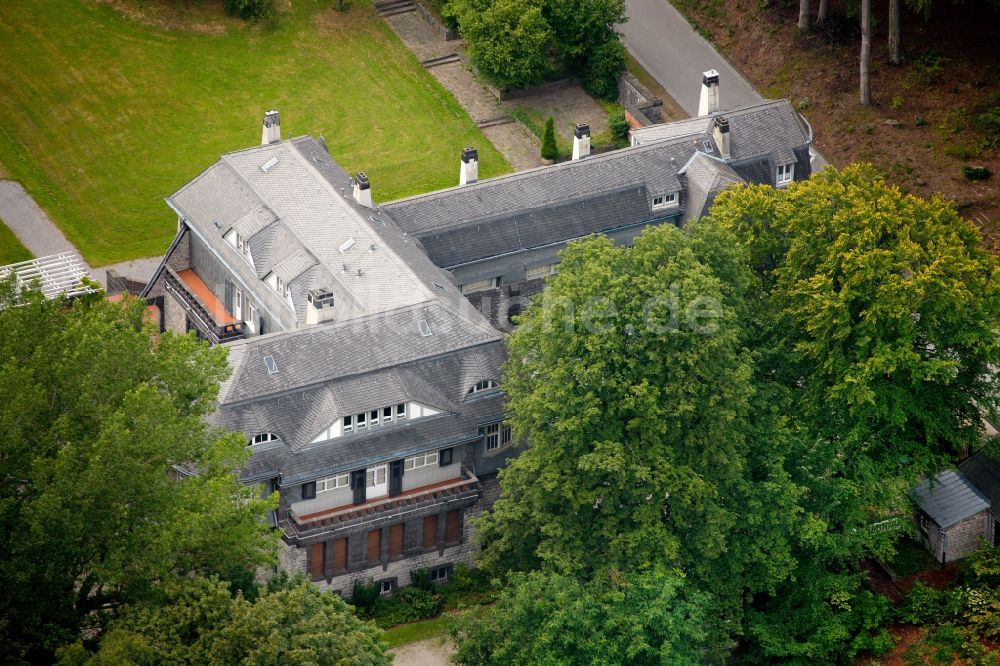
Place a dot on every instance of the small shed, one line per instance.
(983, 470)
(953, 515)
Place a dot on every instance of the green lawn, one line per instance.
(402, 634)
(109, 110)
(11, 250)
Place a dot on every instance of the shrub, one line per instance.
(549, 149)
(976, 172)
(364, 595)
(618, 124)
(925, 604)
(983, 567)
(252, 10)
(605, 64)
(421, 579)
(408, 605)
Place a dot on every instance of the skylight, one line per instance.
(272, 367)
(346, 245)
(268, 165)
(425, 330)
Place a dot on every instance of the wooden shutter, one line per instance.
(374, 546)
(430, 531)
(340, 554)
(453, 527)
(396, 540)
(316, 555)
(227, 299)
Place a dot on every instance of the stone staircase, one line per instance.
(393, 7)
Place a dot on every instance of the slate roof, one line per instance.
(949, 498)
(599, 193)
(983, 471)
(705, 176)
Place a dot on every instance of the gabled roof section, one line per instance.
(755, 131)
(983, 471)
(949, 498)
(653, 166)
(705, 177)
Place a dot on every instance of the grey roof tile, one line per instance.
(949, 498)
(983, 471)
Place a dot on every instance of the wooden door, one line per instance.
(374, 546)
(340, 554)
(317, 553)
(453, 527)
(396, 540)
(430, 531)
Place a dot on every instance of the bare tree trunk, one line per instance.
(804, 18)
(824, 10)
(866, 51)
(895, 53)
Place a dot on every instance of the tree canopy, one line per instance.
(749, 399)
(97, 412)
(199, 622)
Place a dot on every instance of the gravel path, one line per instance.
(37, 232)
(435, 651)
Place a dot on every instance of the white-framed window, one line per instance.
(238, 309)
(332, 483)
(401, 411)
(251, 316)
(373, 417)
(386, 414)
(264, 437)
(440, 575)
(492, 435)
(498, 282)
(362, 421)
(421, 460)
(665, 200)
(375, 476)
(538, 272)
(386, 587)
(785, 173)
(484, 385)
(497, 436)
(478, 285)
(348, 424)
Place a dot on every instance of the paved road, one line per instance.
(675, 55)
(663, 42)
(36, 231)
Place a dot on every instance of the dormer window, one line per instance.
(786, 172)
(484, 385)
(665, 200)
(263, 438)
(373, 419)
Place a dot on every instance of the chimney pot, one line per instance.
(362, 190)
(469, 168)
(581, 141)
(708, 102)
(720, 131)
(271, 132)
(320, 308)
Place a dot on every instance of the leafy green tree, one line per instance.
(508, 39)
(544, 618)
(252, 10)
(97, 412)
(197, 621)
(618, 124)
(581, 27)
(629, 378)
(549, 149)
(604, 65)
(886, 310)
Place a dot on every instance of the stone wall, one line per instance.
(174, 316)
(963, 537)
(638, 100)
(446, 33)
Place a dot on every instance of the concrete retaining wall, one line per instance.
(638, 100)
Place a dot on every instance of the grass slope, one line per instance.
(109, 109)
(11, 250)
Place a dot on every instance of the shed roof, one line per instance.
(949, 498)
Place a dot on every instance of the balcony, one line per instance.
(205, 312)
(462, 491)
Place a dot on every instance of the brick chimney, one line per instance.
(363, 190)
(720, 132)
(581, 141)
(708, 103)
(469, 172)
(272, 128)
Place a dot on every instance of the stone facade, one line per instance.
(959, 541)
(638, 100)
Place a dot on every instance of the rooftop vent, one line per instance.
(272, 367)
(425, 330)
(346, 245)
(372, 247)
(268, 165)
